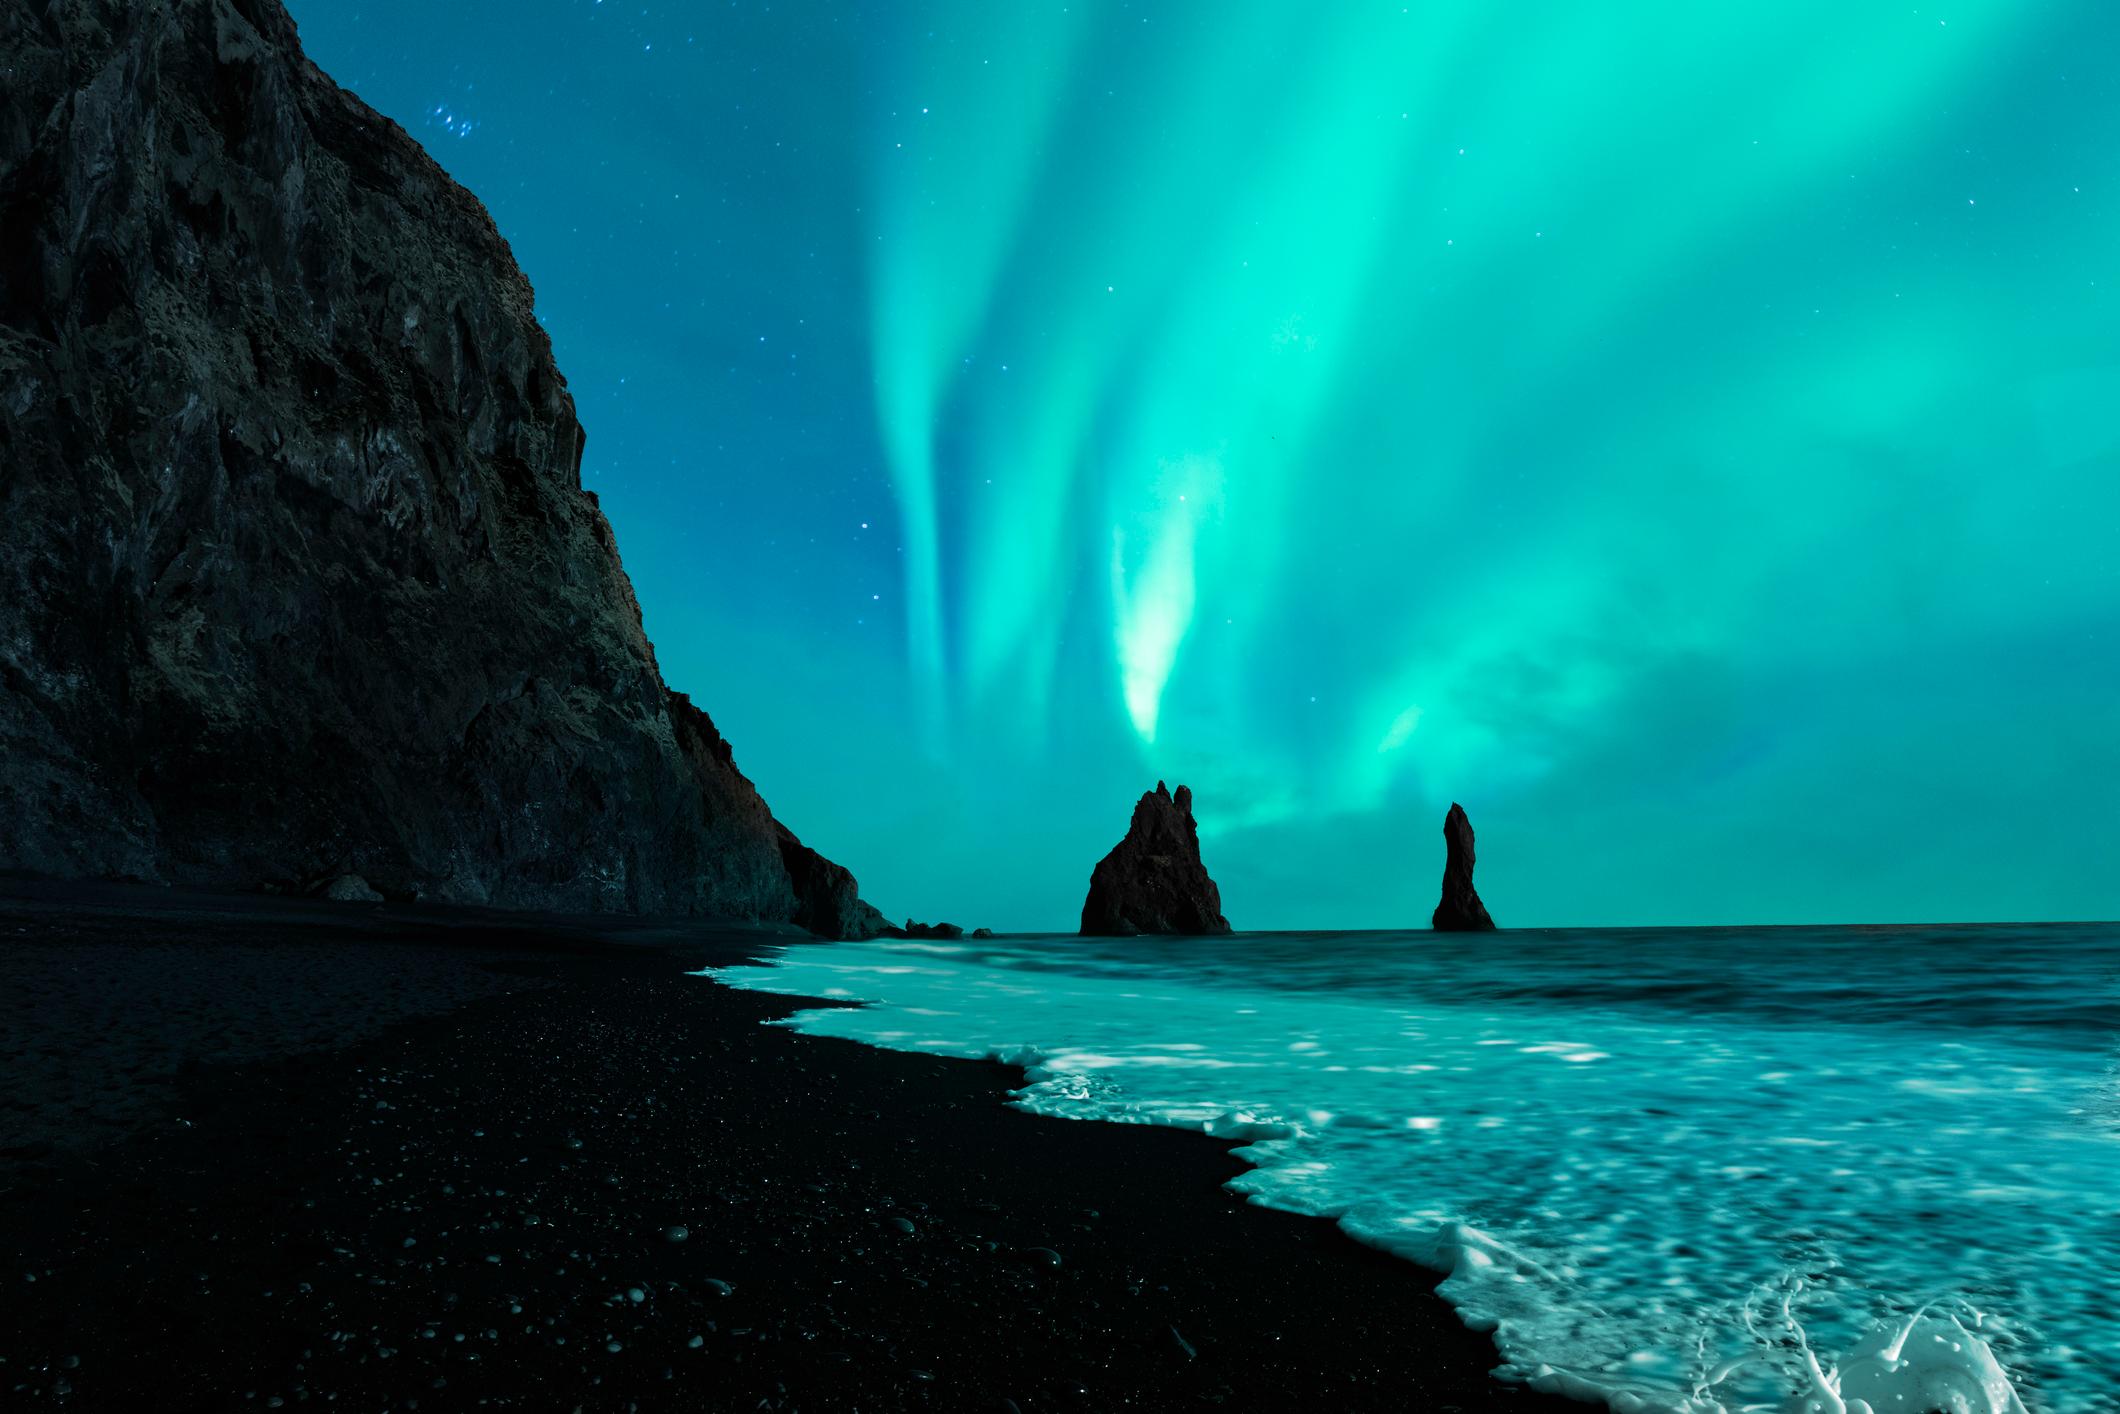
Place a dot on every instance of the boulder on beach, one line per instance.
(930, 930)
(1153, 880)
(350, 888)
(1460, 910)
(982, 932)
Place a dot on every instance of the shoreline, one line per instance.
(540, 1139)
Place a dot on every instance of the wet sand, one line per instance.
(260, 1154)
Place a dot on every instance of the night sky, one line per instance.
(1687, 434)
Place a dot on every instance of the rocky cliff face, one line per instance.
(1460, 910)
(1153, 880)
(297, 576)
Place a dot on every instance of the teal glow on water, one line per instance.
(1650, 1159)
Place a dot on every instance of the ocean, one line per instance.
(1698, 1170)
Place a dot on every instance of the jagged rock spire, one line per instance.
(1153, 880)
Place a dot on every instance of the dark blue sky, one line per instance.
(1690, 437)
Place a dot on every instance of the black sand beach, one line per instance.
(261, 1153)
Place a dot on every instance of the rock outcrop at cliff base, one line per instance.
(298, 580)
(1153, 880)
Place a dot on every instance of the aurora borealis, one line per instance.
(1687, 435)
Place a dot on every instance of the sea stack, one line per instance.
(299, 583)
(1461, 910)
(1153, 880)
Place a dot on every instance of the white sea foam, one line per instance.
(1658, 1206)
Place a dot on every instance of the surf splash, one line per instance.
(1925, 1364)
(1677, 1175)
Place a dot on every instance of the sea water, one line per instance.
(1688, 1170)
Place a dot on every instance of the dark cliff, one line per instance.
(297, 576)
(1460, 909)
(1153, 880)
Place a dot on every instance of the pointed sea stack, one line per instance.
(1153, 880)
(1461, 910)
